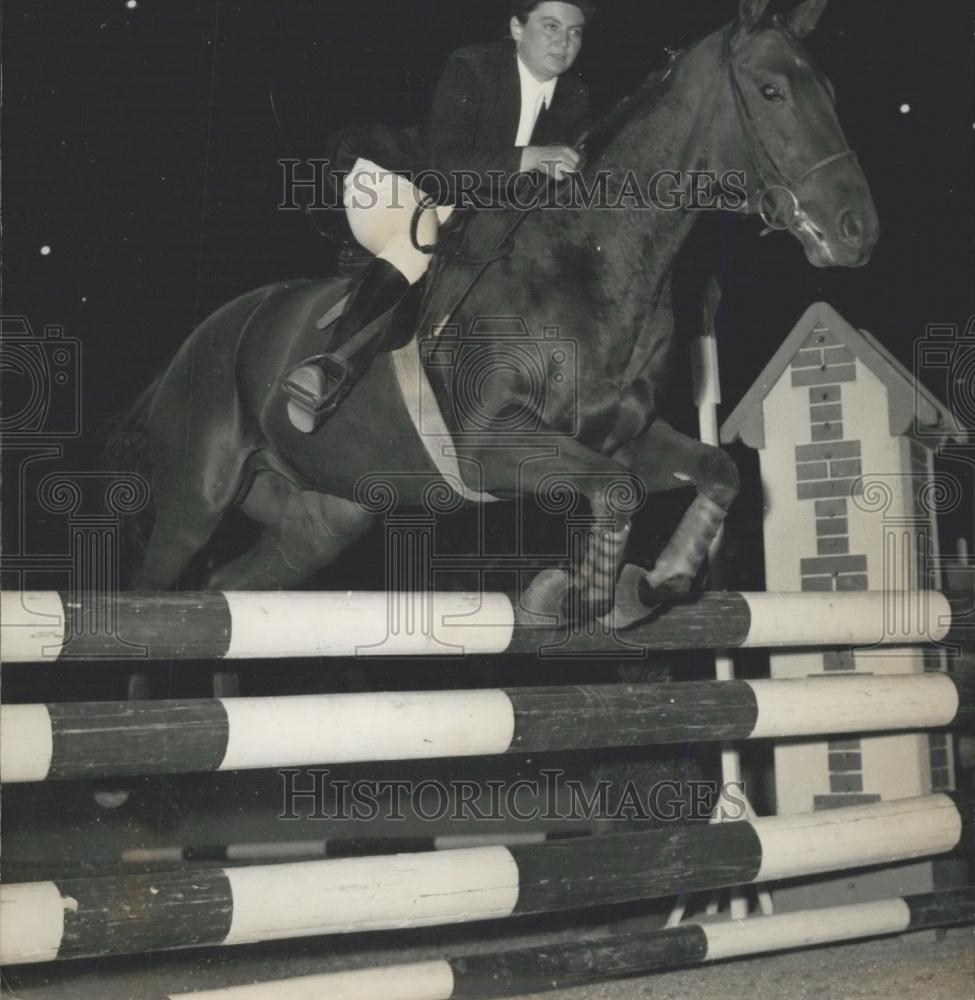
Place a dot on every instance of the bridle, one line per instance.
(779, 179)
(753, 137)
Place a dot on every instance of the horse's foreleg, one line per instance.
(665, 460)
(686, 551)
(563, 466)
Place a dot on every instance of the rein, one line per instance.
(750, 128)
(501, 250)
(596, 133)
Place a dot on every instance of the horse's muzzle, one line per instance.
(857, 230)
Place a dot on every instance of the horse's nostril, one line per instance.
(851, 226)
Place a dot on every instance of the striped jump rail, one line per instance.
(49, 626)
(84, 917)
(80, 740)
(345, 847)
(519, 971)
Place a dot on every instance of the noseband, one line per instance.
(780, 180)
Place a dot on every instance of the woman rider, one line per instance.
(504, 107)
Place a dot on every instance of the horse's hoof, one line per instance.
(652, 592)
(544, 601)
(627, 608)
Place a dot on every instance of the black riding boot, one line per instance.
(318, 385)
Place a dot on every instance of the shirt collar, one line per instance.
(532, 88)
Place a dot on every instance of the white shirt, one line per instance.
(534, 97)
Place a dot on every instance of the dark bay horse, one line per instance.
(745, 99)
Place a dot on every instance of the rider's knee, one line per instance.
(410, 262)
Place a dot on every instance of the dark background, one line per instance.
(139, 145)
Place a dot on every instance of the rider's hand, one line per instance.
(556, 162)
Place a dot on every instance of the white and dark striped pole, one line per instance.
(50, 626)
(80, 740)
(74, 918)
(579, 963)
(339, 847)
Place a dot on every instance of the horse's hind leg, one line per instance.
(303, 533)
(197, 459)
(666, 460)
(183, 525)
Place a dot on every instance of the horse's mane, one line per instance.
(639, 102)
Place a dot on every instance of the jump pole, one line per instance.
(75, 918)
(79, 740)
(50, 626)
(346, 847)
(579, 963)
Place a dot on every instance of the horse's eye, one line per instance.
(772, 93)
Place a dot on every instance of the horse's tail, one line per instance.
(125, 453)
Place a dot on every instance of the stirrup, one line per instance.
(335, 372)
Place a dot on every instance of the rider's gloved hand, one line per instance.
(556, 162)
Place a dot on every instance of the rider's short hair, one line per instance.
(522, 8)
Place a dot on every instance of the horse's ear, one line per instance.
(750, 12)
(804, 18)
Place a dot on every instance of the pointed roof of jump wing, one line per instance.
(912, 409)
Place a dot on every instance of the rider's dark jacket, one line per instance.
(477, 105)
(472, 125)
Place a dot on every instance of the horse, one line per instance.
(576, 409)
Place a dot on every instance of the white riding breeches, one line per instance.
(379, 206)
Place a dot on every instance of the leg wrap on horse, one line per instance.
(595, 580)
(684, 553)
